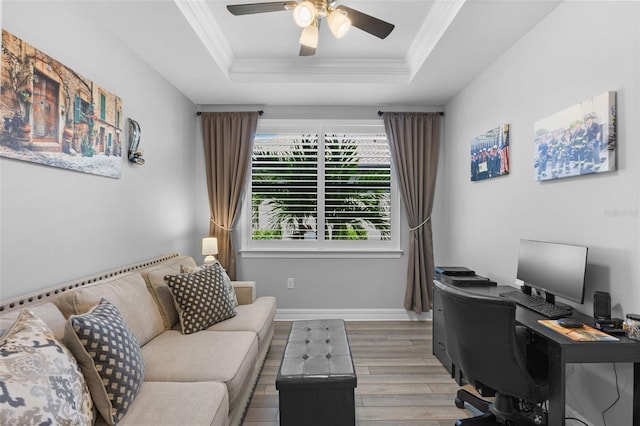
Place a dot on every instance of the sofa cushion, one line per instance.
(227, 357)
(40, 379)
(256, 317)
(130, 295)
(154, 278)
(109, 356)
(47, 312)
(227, 281)
(201, 298)
(200, 403)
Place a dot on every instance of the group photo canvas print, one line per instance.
(490, 154)
(577, 141)
(55, 116)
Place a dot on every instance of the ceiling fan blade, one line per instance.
(367, 23)
(307, 51)
(250, 8)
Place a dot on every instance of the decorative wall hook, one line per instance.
(135, 156)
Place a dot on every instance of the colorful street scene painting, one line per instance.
(577, 141)
(490, 154)
(54, 116)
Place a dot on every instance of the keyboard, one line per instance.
(537, 304)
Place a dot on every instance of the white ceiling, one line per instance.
(213, 57)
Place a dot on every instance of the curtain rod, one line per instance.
(440, 113)
(259, 113)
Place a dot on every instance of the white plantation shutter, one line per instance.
(284, 186)
(322, 189)
(357, 183)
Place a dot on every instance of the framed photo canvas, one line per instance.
(577, 141)
(55, 116)
(490, 154)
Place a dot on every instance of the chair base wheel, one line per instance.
(459, 403)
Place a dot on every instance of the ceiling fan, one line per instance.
(308, 13)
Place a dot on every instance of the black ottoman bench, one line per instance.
(316, 380)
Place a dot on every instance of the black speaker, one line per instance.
(601, 305)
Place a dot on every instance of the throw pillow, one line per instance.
(201, 298)
(109, 356)
(225, 277)
(40, 381)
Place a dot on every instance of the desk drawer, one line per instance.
(440, 349)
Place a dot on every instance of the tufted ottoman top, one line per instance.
(317, 354)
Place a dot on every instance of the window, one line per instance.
(103, 106)
(77, 109)
(321, 187)
(82, 111)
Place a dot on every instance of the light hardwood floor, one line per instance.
(400, 382)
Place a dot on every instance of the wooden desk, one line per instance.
(562, 351)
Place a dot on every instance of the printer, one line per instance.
(461, 276)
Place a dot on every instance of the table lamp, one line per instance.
(209, 249)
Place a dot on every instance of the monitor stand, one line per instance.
(548, 297)
(551, 298)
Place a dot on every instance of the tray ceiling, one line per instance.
(213, 57)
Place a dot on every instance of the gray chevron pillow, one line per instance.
(225, 277)
(201, 298)
(109, 356)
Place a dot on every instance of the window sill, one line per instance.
(324, 253)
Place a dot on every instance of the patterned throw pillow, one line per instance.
(109, 356)
(201, 298)
(225, 276)
(40, 381)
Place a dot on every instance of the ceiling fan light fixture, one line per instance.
(339, 24)
(304, 14)
(309, 36)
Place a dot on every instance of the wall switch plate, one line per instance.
(290, 283)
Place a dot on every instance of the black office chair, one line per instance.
(489, 352)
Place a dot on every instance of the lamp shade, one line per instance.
(304, 13)
(309, 36)
(209, 246)
(339, 24)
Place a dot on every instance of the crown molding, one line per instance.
(206, 27)
(329, 71)
(439, 17)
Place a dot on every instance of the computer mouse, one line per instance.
(570, 323)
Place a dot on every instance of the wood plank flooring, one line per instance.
(400, 382)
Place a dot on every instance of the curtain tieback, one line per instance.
(421, 225)
(220, 226)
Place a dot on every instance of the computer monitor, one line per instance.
(556, 269)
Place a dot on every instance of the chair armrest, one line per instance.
(245, 291)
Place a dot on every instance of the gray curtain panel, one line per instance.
(414, 139)
(228, 140)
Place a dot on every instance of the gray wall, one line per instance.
(56, 224)
(580, 50)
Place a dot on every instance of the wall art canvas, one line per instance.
(490, 154)
(577, 141)
(55, 116)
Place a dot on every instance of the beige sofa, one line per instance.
(205, 378)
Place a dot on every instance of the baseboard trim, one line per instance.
(351, 314)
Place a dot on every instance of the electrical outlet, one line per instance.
(290, 283)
